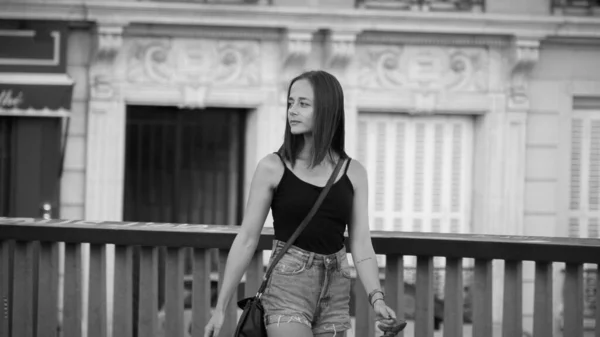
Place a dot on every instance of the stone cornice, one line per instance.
(315, 18)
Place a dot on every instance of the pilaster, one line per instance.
(106, 131)
(296, 48)
(338, 59)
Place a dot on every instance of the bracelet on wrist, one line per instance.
(372, 294)
(377, 299)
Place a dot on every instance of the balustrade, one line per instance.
(29, 279)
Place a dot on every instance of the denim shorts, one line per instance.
(310, 289)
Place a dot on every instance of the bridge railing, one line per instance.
(31, 252)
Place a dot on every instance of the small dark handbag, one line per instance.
(252, 323)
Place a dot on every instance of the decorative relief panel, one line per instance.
(424, 68)
(194, 62)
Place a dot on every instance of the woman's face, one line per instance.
(300, 107)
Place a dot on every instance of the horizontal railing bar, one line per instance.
(518, 248)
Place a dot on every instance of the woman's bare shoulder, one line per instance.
(357, 174)
(270, 169)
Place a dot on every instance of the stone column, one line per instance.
(106, 130)
(339, 50)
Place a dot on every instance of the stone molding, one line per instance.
(339, 50)
(432, 39)
(109, 42)
(524, 56)
(296, 47)
(166, 13)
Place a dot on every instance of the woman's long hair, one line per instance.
(328, 120)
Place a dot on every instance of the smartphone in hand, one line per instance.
(391, 327)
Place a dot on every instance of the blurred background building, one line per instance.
(471, 116)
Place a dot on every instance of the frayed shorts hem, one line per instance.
(283, 318)
(330, 327)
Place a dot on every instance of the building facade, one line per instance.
(470, 116)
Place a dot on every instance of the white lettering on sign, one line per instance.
(10, 100)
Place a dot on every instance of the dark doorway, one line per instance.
(30, 155)
(183, 166)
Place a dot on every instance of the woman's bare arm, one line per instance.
(265, 180)
(360, 236)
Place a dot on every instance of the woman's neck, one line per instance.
(306, 153)
(307, 147)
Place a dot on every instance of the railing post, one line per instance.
(47, 320)
(482, 299)
(394, 285)
(424, 297)
(5, 287)
(542, 310)
(201, 292)
(512, 317)
(24, 289)
(123, 292)
(453, 298)
(148, 292)
(573, 308)
(97, 292)
(72, 291)
(173, 307)
(597, 316)
(231, 310)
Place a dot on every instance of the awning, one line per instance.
(40, 95)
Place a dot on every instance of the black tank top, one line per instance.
(293, 199)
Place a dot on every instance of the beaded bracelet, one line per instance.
(372, 293)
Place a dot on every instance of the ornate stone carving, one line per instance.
(339, 50)
(193, 62)
(109, 40)
(296, 48)
(425, 102)
(424, 68)
(194, 97)
(525, 53)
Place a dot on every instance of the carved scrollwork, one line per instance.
(525, 54)
(194, 62)
(424, 68)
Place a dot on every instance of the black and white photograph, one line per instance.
(299, 168)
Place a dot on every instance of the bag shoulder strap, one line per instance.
(302, 225)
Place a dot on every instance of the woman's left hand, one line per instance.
(387, 319)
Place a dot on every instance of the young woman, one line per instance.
(308, 293)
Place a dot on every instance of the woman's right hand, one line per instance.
(214, 325)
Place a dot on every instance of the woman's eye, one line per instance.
(304, 105)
